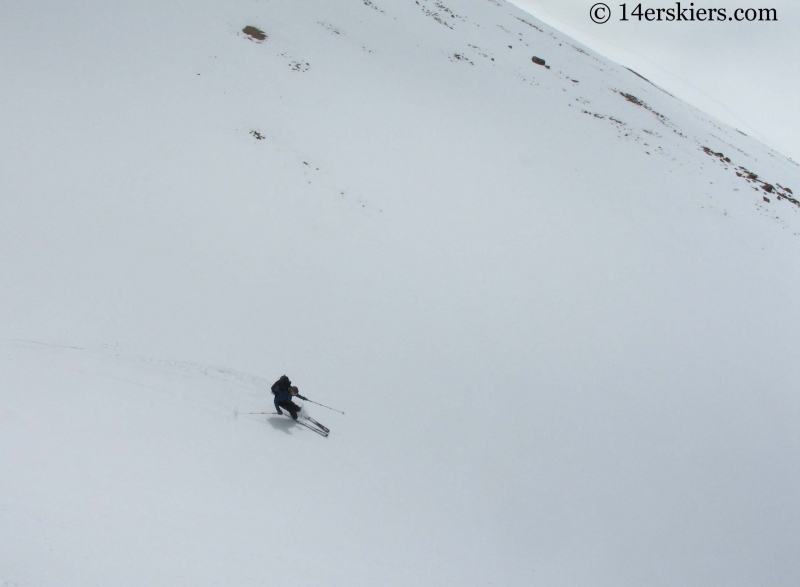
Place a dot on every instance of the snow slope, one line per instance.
(563, 332)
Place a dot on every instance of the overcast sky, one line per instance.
(745, 73)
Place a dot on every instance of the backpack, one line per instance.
(278, 384)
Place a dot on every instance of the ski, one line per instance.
(320, 429)
(322, 426)
(310, 427)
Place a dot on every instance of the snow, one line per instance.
(565, 344)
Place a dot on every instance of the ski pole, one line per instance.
(319, 404)
(258, 412)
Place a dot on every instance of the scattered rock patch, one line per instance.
(533, 26)
(782, 193)
(371, 5)
(634, 100)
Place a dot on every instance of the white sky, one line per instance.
(743, 73)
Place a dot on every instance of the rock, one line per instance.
(254, 33)
(539, 61)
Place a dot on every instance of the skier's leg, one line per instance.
(291, 408)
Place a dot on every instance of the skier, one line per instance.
(284, 391)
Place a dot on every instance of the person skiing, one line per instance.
(284, 391)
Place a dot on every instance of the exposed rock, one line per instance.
(255, 33)
(539, 61)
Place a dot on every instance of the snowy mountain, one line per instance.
(555, 303)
